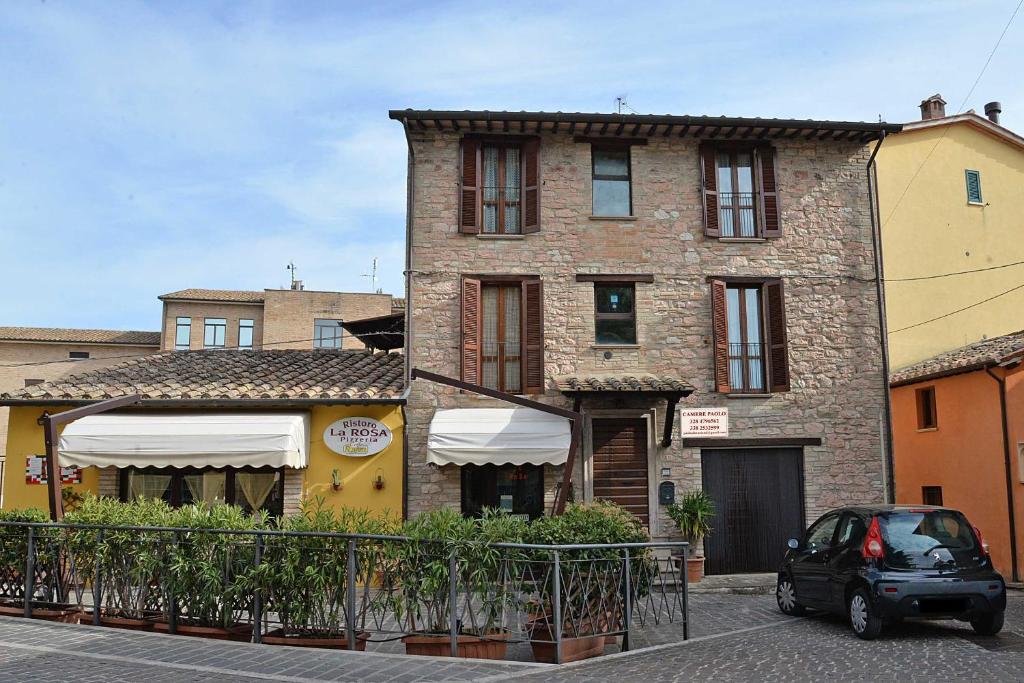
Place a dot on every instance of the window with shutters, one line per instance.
(739, 188)
(502, 334)
(973, 186)
(751, 355)
(499, 186)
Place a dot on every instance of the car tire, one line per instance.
(785, 598)
(866, 624)
(988, 624)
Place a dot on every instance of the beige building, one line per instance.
(195, 319)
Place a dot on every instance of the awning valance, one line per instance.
(497, 436)
(186, 440)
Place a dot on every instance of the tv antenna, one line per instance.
(291, 269)
(621, 103)
(373, 276)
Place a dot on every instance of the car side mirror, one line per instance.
(793, 544)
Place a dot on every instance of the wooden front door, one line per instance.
(620, 463)
(759, 504)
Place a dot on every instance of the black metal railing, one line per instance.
(738, 215)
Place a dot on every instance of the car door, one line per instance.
(845, 557)
(810, 563)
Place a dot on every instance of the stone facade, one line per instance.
(824, 259)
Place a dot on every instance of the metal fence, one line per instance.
(350, 589)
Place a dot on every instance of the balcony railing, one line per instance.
(737, 214)
(501, 209)
(746, 366)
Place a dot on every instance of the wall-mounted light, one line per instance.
(335, 480)
(378, 479)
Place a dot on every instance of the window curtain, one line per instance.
(148, 485)
(207, 487)
(255, 487)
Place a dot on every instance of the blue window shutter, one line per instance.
(973, 186)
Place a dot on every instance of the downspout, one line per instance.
(1001, 381)
(410, 190)
(883, 328)
(404, 397)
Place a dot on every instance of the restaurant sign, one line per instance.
(704, 422)
(357, 436)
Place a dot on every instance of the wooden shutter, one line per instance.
(472, 319)
(778, 355)
(531, 186)
(533, 337)
(709, 185)
(469, 186)
(768, 204)
(720, 327)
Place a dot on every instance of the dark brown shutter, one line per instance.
(472, 319)
(531, 186)
(469, 186)
(709, 185)
(720, 327)
(778, 355)
(771, 216)
(533, 337)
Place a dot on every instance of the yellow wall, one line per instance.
(25, 437)
(934, 230)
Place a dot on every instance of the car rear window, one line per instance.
(932, 539)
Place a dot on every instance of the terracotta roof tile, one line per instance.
(986, 353)
(233, 295)
(233, 375)
(594, 383)
(81, 336)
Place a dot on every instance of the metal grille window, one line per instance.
(214, 333)
(746, 339)
(612, 191)
(182, 334)
(736, 197)
(973, 186)
(327, 333)
(502, 185)
(501, 355)
(245, 333)
(615, 313)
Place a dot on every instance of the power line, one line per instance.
(959, 310)
(959, 272)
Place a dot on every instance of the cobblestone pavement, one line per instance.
(816, 648)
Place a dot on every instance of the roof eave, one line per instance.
(212, 403)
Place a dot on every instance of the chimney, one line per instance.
(933, 108)
(993, 110)
(297, 285)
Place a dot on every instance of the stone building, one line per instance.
(634, 266)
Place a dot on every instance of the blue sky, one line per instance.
(148, 147)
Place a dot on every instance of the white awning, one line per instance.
(186, 440)
(497, 436)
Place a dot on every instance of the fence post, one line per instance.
(686, 594)
(453, 603)
(557, 605)
(350, 596)
(97, 580)
(628, 576)
(172, 602)
(257, 595)
(30, 570)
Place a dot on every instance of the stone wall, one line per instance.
(824, 259)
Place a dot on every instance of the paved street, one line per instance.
(737, 638)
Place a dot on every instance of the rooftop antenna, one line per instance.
(292, 269)
(621, 103)
(373, 276)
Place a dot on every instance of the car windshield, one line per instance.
(929, 539)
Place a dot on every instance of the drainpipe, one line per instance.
(1001, 381)
(410, 190)
(883, 327)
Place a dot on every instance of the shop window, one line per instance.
(517, 489)
(252, 489)
(926, 414)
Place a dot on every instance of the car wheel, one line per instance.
(863, 620)
(785, 596)
(988, 624)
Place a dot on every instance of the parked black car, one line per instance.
(879, 564)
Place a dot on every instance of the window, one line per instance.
(499, 188)
(252, 489)
(213, 336)
(517, 489)
(182, 334)
(611, 171)
(78, 355)
(615, 313)
(820, 535)
(327, 333)
(926, 413)
(749, 322)
(502, 334)
(931, 495)
(245, 333)
(973, 186)
(851, 530)
(739, 189)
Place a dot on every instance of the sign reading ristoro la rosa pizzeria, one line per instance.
(357, 436)
(704, 422)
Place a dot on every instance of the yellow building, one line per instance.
(951, 200)
(262, 429)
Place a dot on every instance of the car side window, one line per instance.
(820, 535)
(851, 530)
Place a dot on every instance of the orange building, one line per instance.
(958, 430)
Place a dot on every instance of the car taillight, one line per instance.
(981, 542)
(873, 548)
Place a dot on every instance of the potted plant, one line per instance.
(692, 513)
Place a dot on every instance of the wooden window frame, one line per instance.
(735, 208)
(502, 202)
(598, 315)
(178, 475)
(604, 147)
(502, 358)
(926, 490)
(745, 358)
(927, 421)
(775, 337)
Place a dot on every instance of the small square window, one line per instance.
(926, 413)
(615, 313)
(973, 187)
(78, 355)
(931, 495)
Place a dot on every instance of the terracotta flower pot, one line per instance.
(694, 568)
(278, 637)
(66, 614)
(239, 633)
(129, 623)
(492, 646)
(573, 649)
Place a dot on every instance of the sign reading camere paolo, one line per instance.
(704, 422)
(357, 436)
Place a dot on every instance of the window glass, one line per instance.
(615, 313)
(255, 491)
(614, 298)
(245, 333)
(736, 194)
(820, 534)
(502, 331)
(746, 349)
(502, 179)
(149, 485)
(613, 162)
(214, 333)
(851, 530)
(938, 539)
(78, 355)
(611, 177)
(182, 334)
(327, 333)
(517, 489)
(207, 487)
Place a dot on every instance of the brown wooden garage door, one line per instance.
(620, 463)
